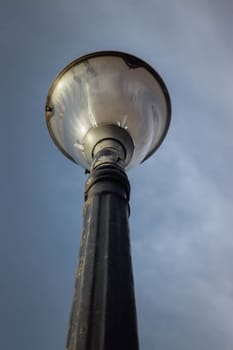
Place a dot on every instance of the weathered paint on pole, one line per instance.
(103, 315)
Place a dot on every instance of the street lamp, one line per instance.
(108, 112)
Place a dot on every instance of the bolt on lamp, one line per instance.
(108, 112)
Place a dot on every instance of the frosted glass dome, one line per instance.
(108, 88)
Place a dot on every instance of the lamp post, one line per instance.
(107, 111)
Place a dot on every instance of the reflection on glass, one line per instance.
(106, 90)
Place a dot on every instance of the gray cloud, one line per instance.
(184, 256)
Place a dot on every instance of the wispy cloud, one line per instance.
(183, 255)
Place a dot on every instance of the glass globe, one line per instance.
(104, 89)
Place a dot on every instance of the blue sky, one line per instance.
(182, 198)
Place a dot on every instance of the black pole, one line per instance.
(103, 315)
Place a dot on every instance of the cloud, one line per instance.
(183, 254)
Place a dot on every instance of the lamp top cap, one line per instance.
(114, 92)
